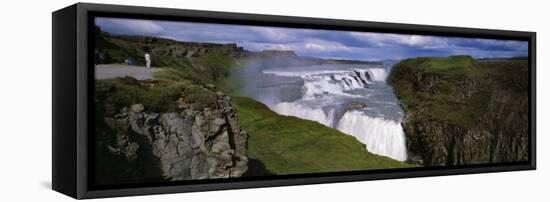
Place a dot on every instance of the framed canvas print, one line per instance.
(154, 100)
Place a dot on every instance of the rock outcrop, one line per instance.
(471, 112)
(188, 144)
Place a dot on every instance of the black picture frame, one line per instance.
(73, 99)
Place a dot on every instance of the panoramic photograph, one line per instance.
(177, 101)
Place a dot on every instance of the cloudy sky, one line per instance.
(317, 43)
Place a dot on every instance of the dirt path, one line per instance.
(108, 71)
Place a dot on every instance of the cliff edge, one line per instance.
(195, 134)
(463, 111)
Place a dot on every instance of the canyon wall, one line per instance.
(463, 111)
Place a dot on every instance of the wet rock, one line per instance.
(356, 105)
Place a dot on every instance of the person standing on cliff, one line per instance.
(147, 60)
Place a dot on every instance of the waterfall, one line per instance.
(316, 86)
(326, 93)
(378, 74)
(301, 111)
(349, 81)
(382, 137)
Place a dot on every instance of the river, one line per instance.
(352, 98)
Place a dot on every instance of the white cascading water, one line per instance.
(378, 74)
(382, 137)
(301, 111)
(318, 85)
(322, 88)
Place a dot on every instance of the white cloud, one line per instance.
(131, 25)
(385, 40)
(256, 46)
(313, 46)
(272, 34)
(279, 34)
(321, 45)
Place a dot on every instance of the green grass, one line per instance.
(181, 74)
(216, 66)
(456, 89)
(454, 66)
(234, 83)
(160, 96)
(113, 94)
(288, 145)
(211, 69)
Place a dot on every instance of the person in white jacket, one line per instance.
(147, 60)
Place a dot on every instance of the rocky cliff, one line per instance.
(461, 111)
(194, 141)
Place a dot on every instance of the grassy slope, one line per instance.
(440, 86)
(289, 145)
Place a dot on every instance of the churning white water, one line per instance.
(353, 99)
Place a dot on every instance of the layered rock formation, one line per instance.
(460, 111)
(188, 144)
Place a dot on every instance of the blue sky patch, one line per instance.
(317, 43)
